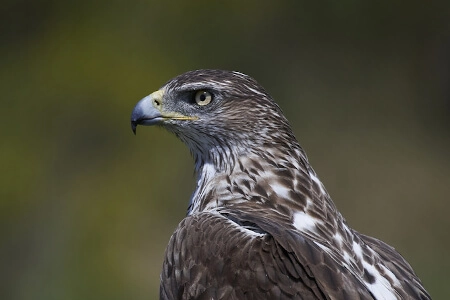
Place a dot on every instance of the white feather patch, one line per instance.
(319, 183)
(358, 250)
(304, 222)
(391, 276)
(339, 239)
(281, 191)
(381, 288)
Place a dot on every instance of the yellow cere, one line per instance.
(158, 96)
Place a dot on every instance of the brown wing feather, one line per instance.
(411, 287)
(211, 256)
(332, 278)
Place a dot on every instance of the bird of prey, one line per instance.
(260, 224)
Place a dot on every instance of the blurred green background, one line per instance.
(86, 208)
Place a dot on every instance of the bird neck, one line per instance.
(279, 175)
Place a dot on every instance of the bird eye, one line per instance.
(203, 97)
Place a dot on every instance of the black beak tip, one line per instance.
(134, 125)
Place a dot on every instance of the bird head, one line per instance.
(215, 112)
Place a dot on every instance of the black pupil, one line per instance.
(202, 97)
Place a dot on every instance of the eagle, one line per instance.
(260, 224)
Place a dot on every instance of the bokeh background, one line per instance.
(87, 208)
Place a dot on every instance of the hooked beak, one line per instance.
(147, 111)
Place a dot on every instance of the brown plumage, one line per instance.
(260, 224)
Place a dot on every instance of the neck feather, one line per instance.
(275, 175)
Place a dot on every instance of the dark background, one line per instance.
(86, 208)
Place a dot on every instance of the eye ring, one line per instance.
(203, 97)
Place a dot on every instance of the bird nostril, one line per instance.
(156, 102)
